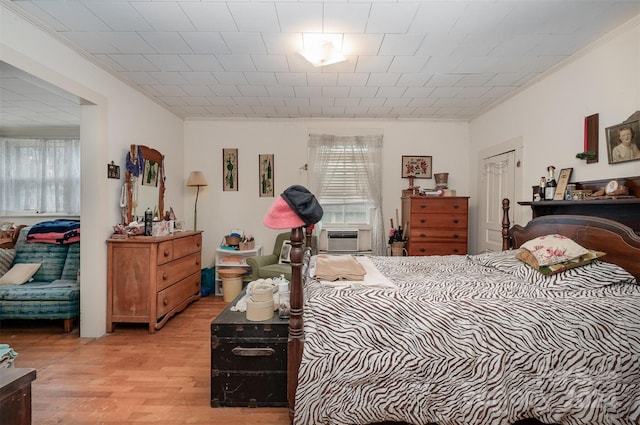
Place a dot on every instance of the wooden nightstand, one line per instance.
(248, 360)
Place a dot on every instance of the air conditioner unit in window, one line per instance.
(342, 240)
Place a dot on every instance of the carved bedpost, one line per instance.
(296, 331)
(506, 242)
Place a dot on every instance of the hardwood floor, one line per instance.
(129, 376)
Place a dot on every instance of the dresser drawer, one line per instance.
(186, 246)
(456, 248)
(437, 235)
(165, 252)
(248, 389)
(170, 273)
(169, 298)
(249, 355)
(443, 205)
(455, 221)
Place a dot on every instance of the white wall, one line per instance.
(219, 212)
(549, 115)
(120, 116)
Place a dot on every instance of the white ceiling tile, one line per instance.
(74, 15)
(372, 102)
(119, 16)
(254, 16)
(300, 17)
(391, 17)
(205, 43)
(272, 101)
(322, 79)
(437, 17)
(345, 17)
(272, 63)
(373, 63)
(133, 62)
(362, 44)
(199, 78)
(164, 16)
(166, 42)
(236, 63)
(303, 91)
(363, 91)
(292, 78)
(282, 43)
(261, 78)
(413, 79)
(391, 92)
(351, 80)
(407, 64)
(230, 78)
(198, 91)
(383, 79)
(244, 43)
(400, 44)
(481, 18)
(257, 91)
(209, 16)
(202, 62)
(335, 92)
(170, 78)
(167, 90)
(168, 63)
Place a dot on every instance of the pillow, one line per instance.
(553, 249)
(19, 273)
(527, 257)
(6, 258)
(285, 253)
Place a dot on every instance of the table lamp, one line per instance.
(196, 178)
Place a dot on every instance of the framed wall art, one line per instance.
(623, 142)
(418, 167)
(265, 175)
(113, 171)
(563, 181)
(230, 170)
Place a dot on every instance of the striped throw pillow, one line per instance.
(6, 259)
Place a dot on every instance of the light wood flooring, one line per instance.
(129, 376)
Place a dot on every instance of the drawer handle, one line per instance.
(456, 236)
(422, 221)
(456, 221)
(166, 252)
(197, 262)
(165, 301)
(422, 250)
(165, 276)
(253, 352)
(422, 235)
(455, 250)
(456, 206)
(422, 206)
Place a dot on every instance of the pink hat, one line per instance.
(282, 216)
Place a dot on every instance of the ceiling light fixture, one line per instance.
(323, 53)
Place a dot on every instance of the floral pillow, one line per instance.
(527, 257)
(553, 249)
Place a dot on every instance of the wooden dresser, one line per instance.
(149, 279)
(438, 225)
(15, 395)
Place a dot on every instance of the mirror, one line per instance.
(144, 182)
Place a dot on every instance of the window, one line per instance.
(345, 174)
(40, 175)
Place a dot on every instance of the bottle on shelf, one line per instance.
(148, 222)
(541, 188)
(550, 188)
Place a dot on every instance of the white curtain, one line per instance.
(41, 175)
(367, 151)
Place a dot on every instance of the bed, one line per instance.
(474, 339)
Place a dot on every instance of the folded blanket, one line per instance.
(373, 278)
(338, 267)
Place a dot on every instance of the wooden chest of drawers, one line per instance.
(248, 361)
(437, 225)
(149, 279)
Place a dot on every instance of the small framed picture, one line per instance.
(230, 170)
(415, 166)
(265, 175)
(623, 142)
(563, 181)
(113, 171)
(285, 253)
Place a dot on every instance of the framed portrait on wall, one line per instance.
(265, 175)
(415, 166)
(623, 142)
(230, 170)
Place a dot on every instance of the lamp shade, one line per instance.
(196, 178)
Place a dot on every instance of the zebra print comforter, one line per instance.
(473, 340)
